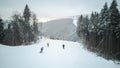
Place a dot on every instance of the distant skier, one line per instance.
(41, 50)
(48, 44)
(63, 46)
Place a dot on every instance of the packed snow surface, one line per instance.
(54, 56)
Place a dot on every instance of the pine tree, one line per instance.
(103, 24)
(86, 24)
(27, 13)
(14, 35)
(17, 36)
(35, 27)
(115, 25)
(79, 25)
(27, 29)
(1, 31)
(114, 13)
(8, 39)
(92, 23)
(104, 12)
(103, 20)
(114, 22)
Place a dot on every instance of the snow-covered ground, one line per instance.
(54, 56)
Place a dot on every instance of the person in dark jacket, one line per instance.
(47, 44)
(63, 46)
(41, 50)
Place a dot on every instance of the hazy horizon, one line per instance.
(52, 9)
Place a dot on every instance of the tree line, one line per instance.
(101, 31)
(22, 29)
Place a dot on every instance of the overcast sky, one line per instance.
(48, 9)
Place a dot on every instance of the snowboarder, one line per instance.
(48, 44)
(63, 46)
(41, 50)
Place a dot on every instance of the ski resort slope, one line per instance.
(54, 56)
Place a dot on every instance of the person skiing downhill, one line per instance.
(63, 46)
(48, 44)
(41, 50)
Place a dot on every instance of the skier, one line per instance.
(63, 46)
(41, 50)
(48, 44)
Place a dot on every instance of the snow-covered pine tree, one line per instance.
(114, 20)
(35, 24)
(17, 36)
(27, 14)
(114, 13)
(114, 17)
(104, 31)
(28, 32)
(85, 25)
(14, 35)
(103, 20)
(95, 22)
(91, 23)
(103, 24)
(79, 25)
(8, 39)
(1, 30)
(114, 25)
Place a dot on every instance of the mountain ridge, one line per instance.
(63, 29)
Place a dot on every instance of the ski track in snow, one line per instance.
(54, 56)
